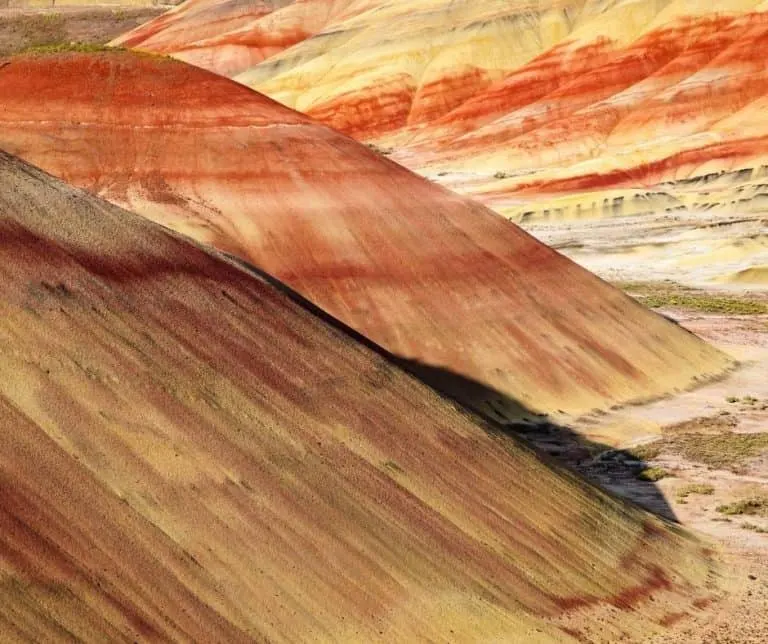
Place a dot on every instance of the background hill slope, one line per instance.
(427, 274)
(557, 114)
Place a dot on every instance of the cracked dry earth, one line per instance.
(736, 404)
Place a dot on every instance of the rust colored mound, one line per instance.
(428, 275)
(188, 455)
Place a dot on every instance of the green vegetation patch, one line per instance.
(754, 506)
(646, 451)
(71, 47)
(695, 488)
(725, 450)
(706, 304)
(653, 474)
(670, 295)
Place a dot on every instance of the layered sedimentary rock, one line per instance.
(429, 275)
(190, 455)
(559, 111)
(231, 37)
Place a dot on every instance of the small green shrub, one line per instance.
(646, 451)
(653, 474)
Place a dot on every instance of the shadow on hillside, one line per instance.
(613, 470)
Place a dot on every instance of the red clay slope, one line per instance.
(190, 456)
(423, 272)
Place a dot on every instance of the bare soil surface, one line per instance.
(22, 29)
(709, 446)
(696, 248)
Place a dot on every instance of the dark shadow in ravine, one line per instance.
(616, 471)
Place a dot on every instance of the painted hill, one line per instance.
(232, 36)
(427, 274)
(566, 111)
(190, 455)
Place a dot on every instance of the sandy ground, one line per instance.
(741, 616)
(693, 248)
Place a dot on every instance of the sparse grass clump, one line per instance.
(646, 451)
(694, 488)
(668, 294)
(500, 175)
(653, 474)
(705, 303)
(754, 505)
(71, 47)
(754, 528)
(725, 450)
